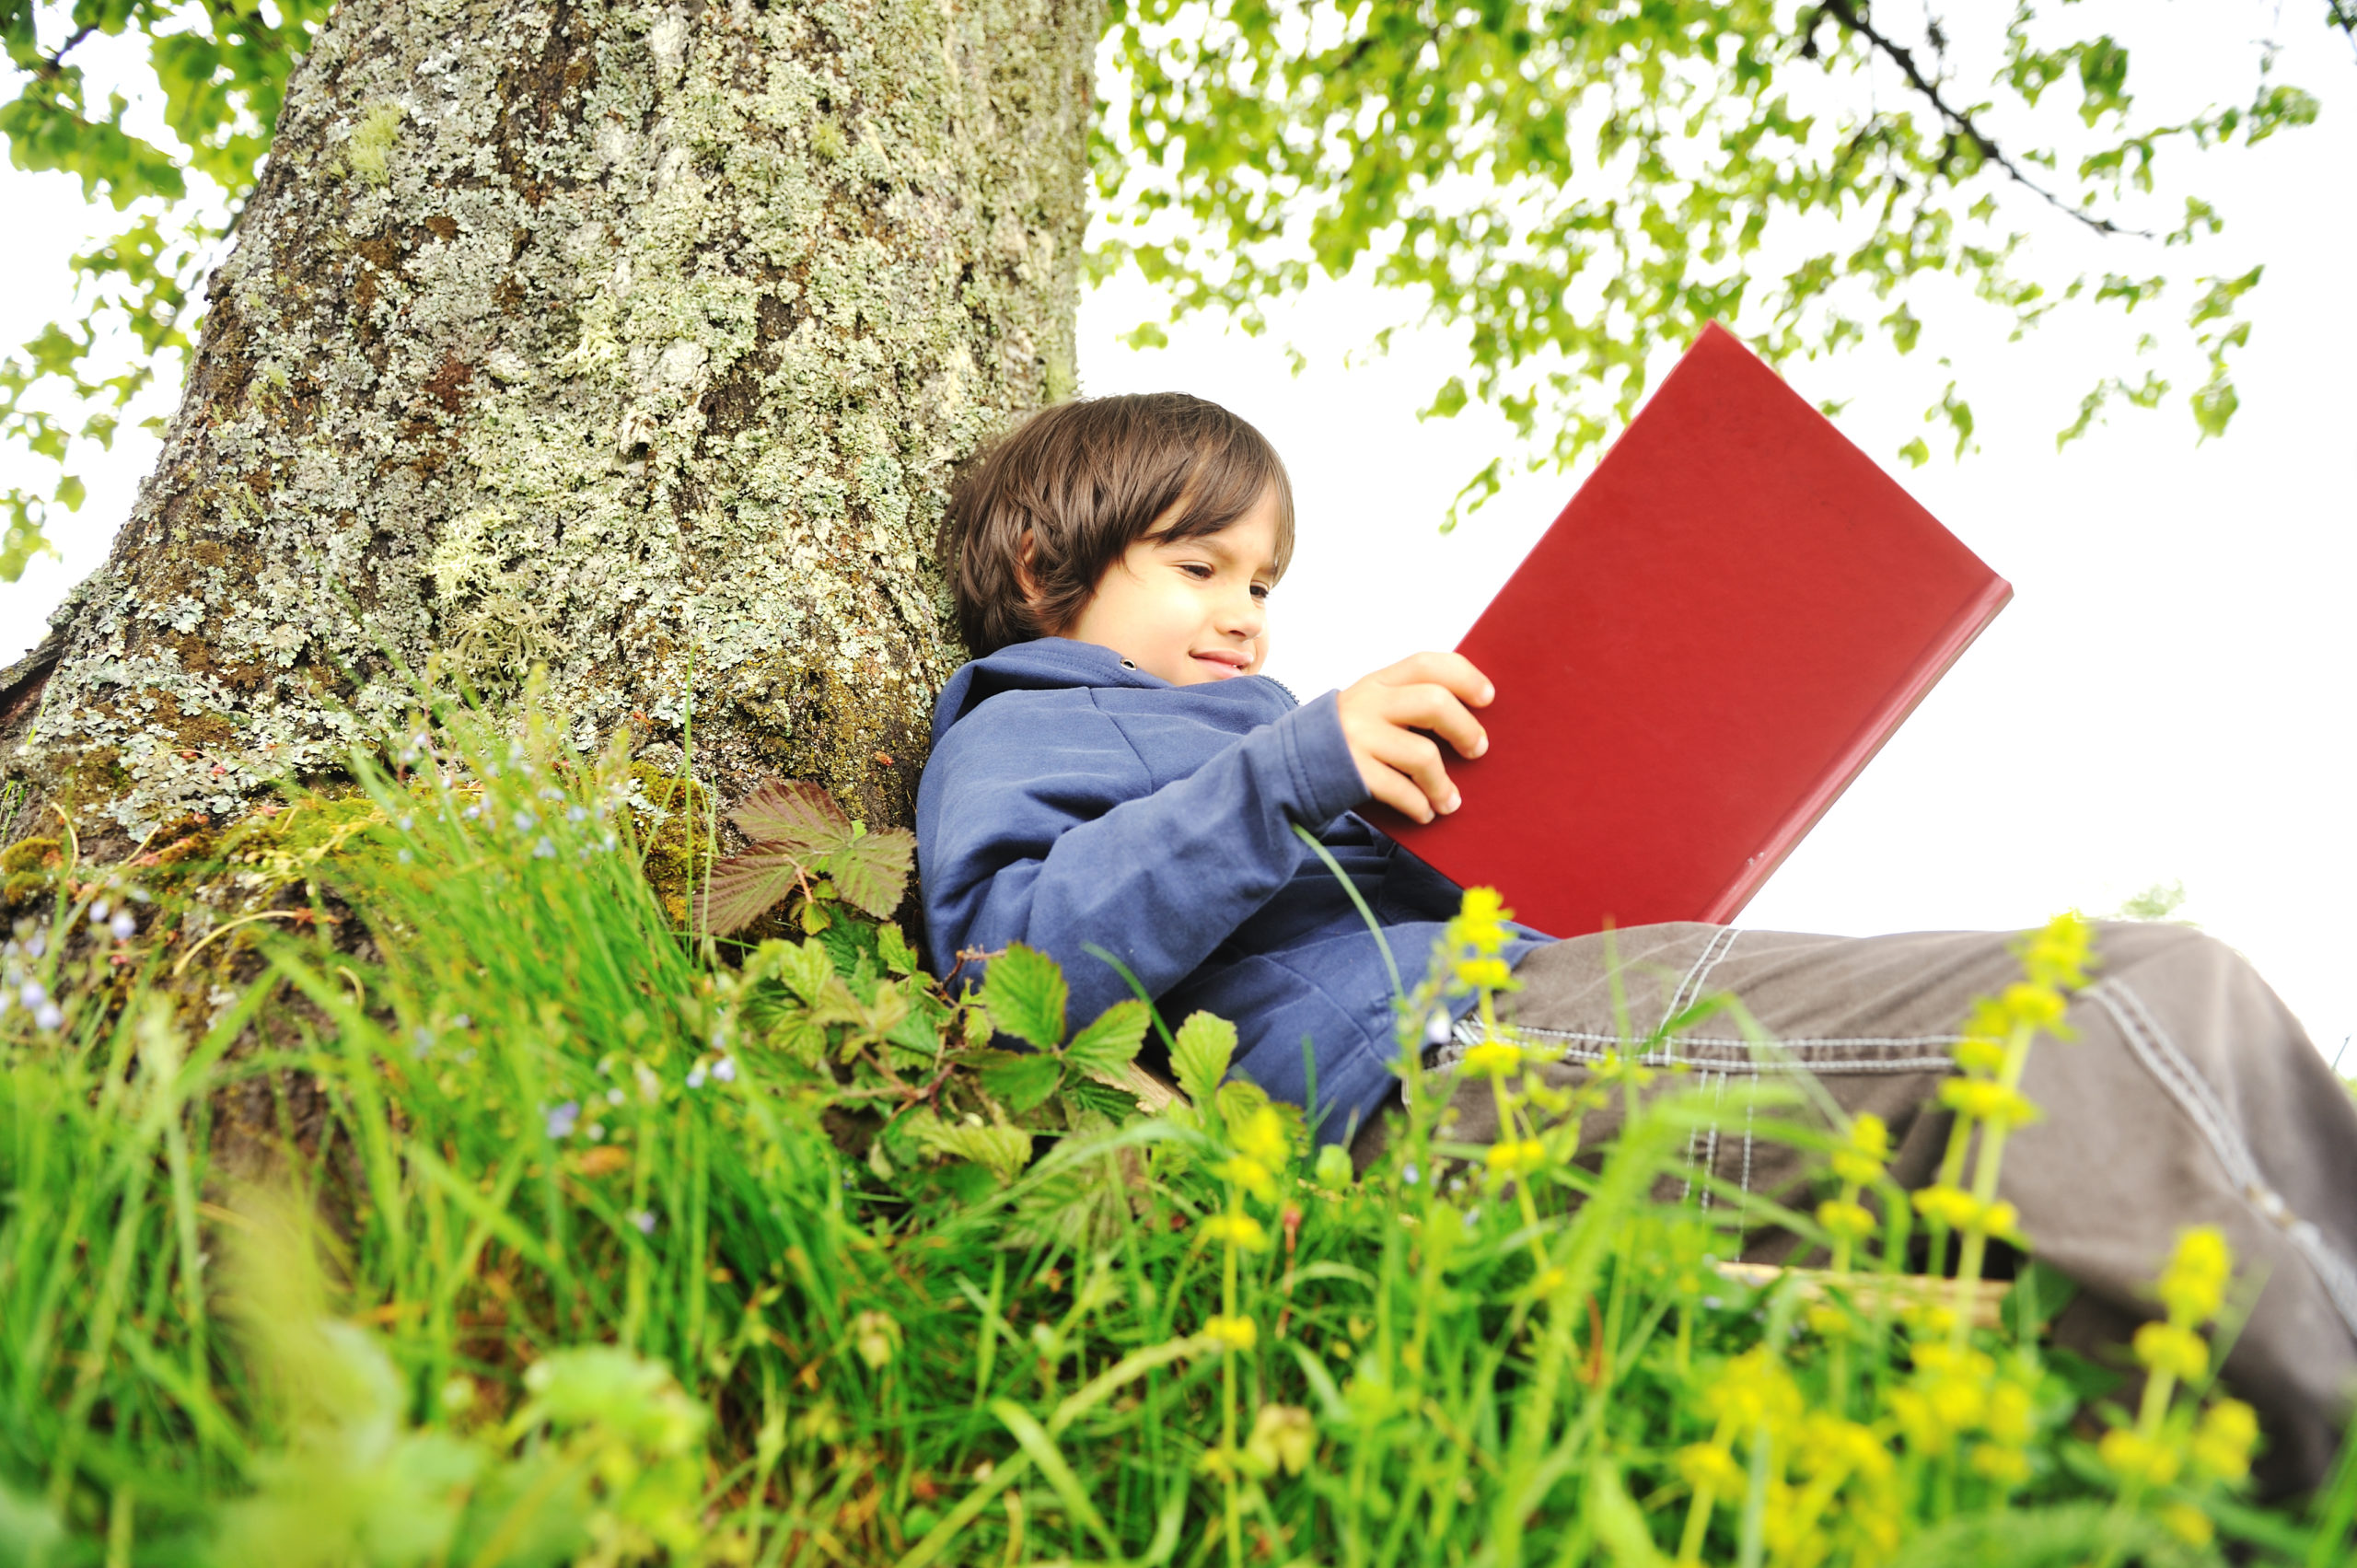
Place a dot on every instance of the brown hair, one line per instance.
(1086, 480)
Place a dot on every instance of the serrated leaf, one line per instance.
(1025, 1083)
(1237, 1099)
(893, 948)
(919, 1034)
(1118, 1104)
(793, 814)
(999, 1148)
(1199, 1055)
(872, 871)
(1106, 1046)
(1024, 992)
(746, 887)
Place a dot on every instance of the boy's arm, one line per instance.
(1061, 846)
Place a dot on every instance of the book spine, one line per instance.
(1870, 738)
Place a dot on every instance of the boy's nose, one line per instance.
(1245, 617)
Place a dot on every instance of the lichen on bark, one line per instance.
(633, 340)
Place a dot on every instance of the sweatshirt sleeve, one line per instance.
(1053, 836)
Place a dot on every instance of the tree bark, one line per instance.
(635, 341)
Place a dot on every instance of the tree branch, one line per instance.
(1959, 122)
(49, 68)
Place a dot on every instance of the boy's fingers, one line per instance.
(1421, 762)
(1453, 672)
(1437, 709)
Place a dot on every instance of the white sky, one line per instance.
(2169, 696)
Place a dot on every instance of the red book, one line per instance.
(1731, 617)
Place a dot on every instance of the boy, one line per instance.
(1112, 770)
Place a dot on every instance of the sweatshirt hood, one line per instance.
(1054, 664)
(1044, 664)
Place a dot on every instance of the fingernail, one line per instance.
(1488, 693)
(1480, 745)
(1452, 802)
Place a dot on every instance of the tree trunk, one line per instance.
(636, 342)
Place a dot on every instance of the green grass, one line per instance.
(547, 1234)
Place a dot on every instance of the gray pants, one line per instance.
(2190, 1096)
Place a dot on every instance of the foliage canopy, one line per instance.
(1572, 186)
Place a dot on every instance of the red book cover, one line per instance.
(1731, 617)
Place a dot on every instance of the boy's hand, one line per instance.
(1383, 715)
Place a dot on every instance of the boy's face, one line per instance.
(1190, 609)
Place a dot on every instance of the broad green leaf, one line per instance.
(893, 948)
(1200, 1053)
(999, 1147)
(1025, 1083)
(804, 966)
(1119, 1105)
(872, 870)
(1024, 992)
(1111, 1042)
(793, 814)
(746, 887)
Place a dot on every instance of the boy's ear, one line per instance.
(1024, 577)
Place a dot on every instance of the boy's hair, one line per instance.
(1084, 480)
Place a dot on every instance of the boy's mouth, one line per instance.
(1222, 663)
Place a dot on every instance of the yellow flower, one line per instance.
(2007, 1467)
(1240, 1231)
(1851, 1221)
(1484, 974)
(1753, 1388)
(1958, 1403)
(2193, 1286)
(2222, 1444)
(1480, 922)
(1988, 1102)
(1261, 1137)
(1827, 1321)
(1494, 1058)
(2188, 1524)
(1248, 1173)
(2128, 1455)
(2058, 955)
(2168, 1347)
(1950, 1206)
(1515, 1157)
(1979, 1053)
(1707, 1466)
(2034, 1006)
(1860, 1159)
(2008, 1420)
(1234, 1333)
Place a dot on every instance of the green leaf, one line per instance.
(1119, 1105)
(1024, 993)
(1109, 1044)
(1201, 1054)
(746, 887)
(793, 814)
(1025, 1083)
(871, 870)
(998, 1147)
(893, 948)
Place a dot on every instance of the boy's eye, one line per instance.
(1260, 590)
(1198, 571)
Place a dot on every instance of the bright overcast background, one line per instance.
(2170, 696)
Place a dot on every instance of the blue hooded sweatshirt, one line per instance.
(1071, 801)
